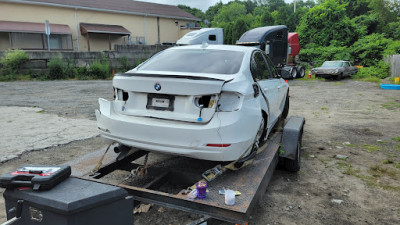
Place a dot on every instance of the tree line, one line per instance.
(362, 31)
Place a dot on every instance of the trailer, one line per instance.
(251, 180)
(97, 194)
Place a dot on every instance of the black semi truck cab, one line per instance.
(274, 41)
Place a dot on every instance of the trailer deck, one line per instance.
(251, 180)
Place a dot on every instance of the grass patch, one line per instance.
(387, 161)
(313, 78)
(337, 83)
(391, 105)
(347, 169)
(372, 148)
(396, 139)
(397, 165)
(324, 108)
(41, 111)
(397, 148)
(378, 171)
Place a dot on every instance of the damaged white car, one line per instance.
(214, 102)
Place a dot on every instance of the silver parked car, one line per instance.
(335, 69)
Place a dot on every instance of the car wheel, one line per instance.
(339, 77)
(285, 111)
(258, 141)
(293, 165)
(301, 71)
(293, 73)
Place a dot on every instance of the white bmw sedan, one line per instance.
(215, 102)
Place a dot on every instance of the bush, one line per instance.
(125, 64)
(369, 50)
(99, 70)
(57, 69)
(322, 54)
(12, 62)
(373, 73)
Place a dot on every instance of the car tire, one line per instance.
(293, 73)
(301, 71)
(262, 131)
(339, 77)
(293, 165)
(285, 111)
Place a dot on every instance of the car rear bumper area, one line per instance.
(175, 137)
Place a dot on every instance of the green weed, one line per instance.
(391, 105)
(396, 139)
(387, 161)
(372, 148)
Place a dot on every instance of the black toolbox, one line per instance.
(72, 202)
(35, 176)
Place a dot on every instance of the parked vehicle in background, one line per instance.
(335, 69)
(282, 48)
(216, 102)
(209, 35)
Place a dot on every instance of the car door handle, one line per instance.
(279, 87)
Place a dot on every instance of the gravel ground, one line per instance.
(351, 118)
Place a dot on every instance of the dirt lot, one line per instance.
(350, 118)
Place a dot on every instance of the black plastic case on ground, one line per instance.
(72, 202)
(35, 176)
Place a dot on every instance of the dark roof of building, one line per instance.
(118, 6)
(27, 27)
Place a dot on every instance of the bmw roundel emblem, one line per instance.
(157, 86)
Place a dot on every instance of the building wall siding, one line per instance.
(139, 26)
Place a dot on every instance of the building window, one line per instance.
(37, 41)
(60, 41)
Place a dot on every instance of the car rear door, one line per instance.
(268, 85)
(282, 86)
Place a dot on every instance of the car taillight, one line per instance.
(120, 94)
(219, 145)
(206, 101)
(229, 101)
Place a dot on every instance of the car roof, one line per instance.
(217, 47)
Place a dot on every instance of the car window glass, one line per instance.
(259, 68)
(195, 61)
(271, 66)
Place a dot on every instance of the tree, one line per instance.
(387, 11)
(229, 13)
(281, 17)
(238, 28)
(327, 24)
(195, 12)
(294, 19)
(267, 19)
(212, 11)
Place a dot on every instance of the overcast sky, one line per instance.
(200, 4)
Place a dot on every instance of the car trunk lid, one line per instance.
(171, 97)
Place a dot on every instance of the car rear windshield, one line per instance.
(195, 61)
(332, 64)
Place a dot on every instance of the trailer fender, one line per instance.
(292, 133)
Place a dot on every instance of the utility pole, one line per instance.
(294, 3)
